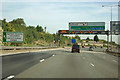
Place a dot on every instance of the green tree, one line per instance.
(10, 27)
(56, 37)
(87, 39)
(28, 36)
(48, 37)
(113, 42)
(62, 39)
(4, 25)
(39, 28)
(19, 21)
(77, 37)
(96, 38)
(104, 41)
(31, 34)
(18, 24)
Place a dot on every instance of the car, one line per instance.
(83, 46)
(91, 48)
(75, 48)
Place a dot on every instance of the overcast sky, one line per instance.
(56, 15)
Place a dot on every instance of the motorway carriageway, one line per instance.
(61, 64)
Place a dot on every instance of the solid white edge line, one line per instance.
(92, 64)
(12, 76)
(42, 60)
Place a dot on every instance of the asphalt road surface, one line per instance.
(63, 64)
(87, 64)
(14, 64)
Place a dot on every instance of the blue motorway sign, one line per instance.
(73, 41)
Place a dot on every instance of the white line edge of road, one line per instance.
(92, 64)
(42, 60)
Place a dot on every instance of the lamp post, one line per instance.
(111, 6)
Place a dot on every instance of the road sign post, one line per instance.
(108, 41)
(114, 27)
(59, 40)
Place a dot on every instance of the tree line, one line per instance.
(33, 34)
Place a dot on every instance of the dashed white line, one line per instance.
(83, 57)
(92, 64)
(114, 60)
(10, 77)
(104, 57)
(42, 60)
(53, 55)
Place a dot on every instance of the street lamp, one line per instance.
(111, 20)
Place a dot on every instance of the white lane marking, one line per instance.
(114, 60)
(104, 57)
(53, 55)
(12, 76)
(83, 57)
(92, 64)
(42, 60)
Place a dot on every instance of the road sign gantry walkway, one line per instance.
(82, 32)
(87, 32)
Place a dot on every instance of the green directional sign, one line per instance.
(87, 26)
(13, 36)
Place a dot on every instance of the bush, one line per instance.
(69, 44)
(89, 45)
(104, 45)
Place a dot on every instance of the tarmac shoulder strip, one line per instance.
(29, 51)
